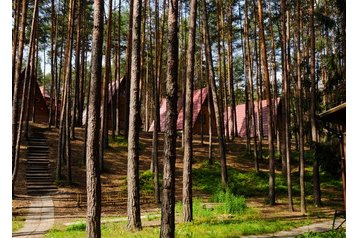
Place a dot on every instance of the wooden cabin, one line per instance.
(200, 118)
(334, 120)
(38, 110)
(241, 118)
(115, 88)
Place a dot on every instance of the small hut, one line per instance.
(200, 118)
(38, 110)
(115, 88)
(241, 118)
(335, 121)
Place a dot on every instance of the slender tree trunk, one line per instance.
(284, 80)
(316, 179)
(286, 85)
(219, 123)
(251, 88)
(93, 224)
(128, 68)
(259, 128)
(23, 98)
(300, 110)
(265, 75)
(133, 205)
(233, 126)
(167, 228)
(16, 93)
(188, 127)
(15, 37)
(66, 91)
(103, 138)
(118, 79)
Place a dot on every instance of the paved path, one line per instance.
(316, 227)
(39, 219)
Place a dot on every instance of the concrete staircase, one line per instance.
(39, 180)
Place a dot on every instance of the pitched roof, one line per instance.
(241, 118)
(196, 107)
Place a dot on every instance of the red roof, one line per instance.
(196, 109)
(241, 118)
(44, 92)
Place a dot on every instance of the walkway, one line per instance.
(39, 184)
(39, 220)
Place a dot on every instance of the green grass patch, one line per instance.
(341, 233)
(122, 142)
(18, 222)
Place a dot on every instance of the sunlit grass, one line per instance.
(17, 223)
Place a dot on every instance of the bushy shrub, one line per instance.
(230, 202)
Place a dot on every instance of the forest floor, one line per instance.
(70, 199)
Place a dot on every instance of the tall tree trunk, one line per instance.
(128, 68)
(266, 78)
(284, 80)
(118, 79)
(219, 123)
(15, 37)
(93, 223)
(188, 127)
(314, 137)
(16, 93)
(300, 110)
(233, 126)
(167, 228)
(53, 53)
(257, 52)
(23, 97)
(66, 90)
(286, 85)
(103, 138)
(156, 94)
(251, 115)
(133, 205)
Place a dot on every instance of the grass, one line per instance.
(230, 217)
(17, 223)
(121, 142)
(214, 222)
(341, 233)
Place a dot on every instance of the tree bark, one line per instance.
(251, 115)
(23, 97)
(133, 202)
(188, 127)
(103, 138)
(266, 78)
(167, 228)
(300, 110)
(218, 114)
(93, 223)
(128, 68)
(314, 137)
(15, 98)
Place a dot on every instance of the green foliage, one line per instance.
(230, 202)
(341, 233)
(146, 180)
(77, 227)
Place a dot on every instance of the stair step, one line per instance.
(39, 192)
(39, 186)
(38, 162)
(36, 174)
(38, 179)
(39, 183)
